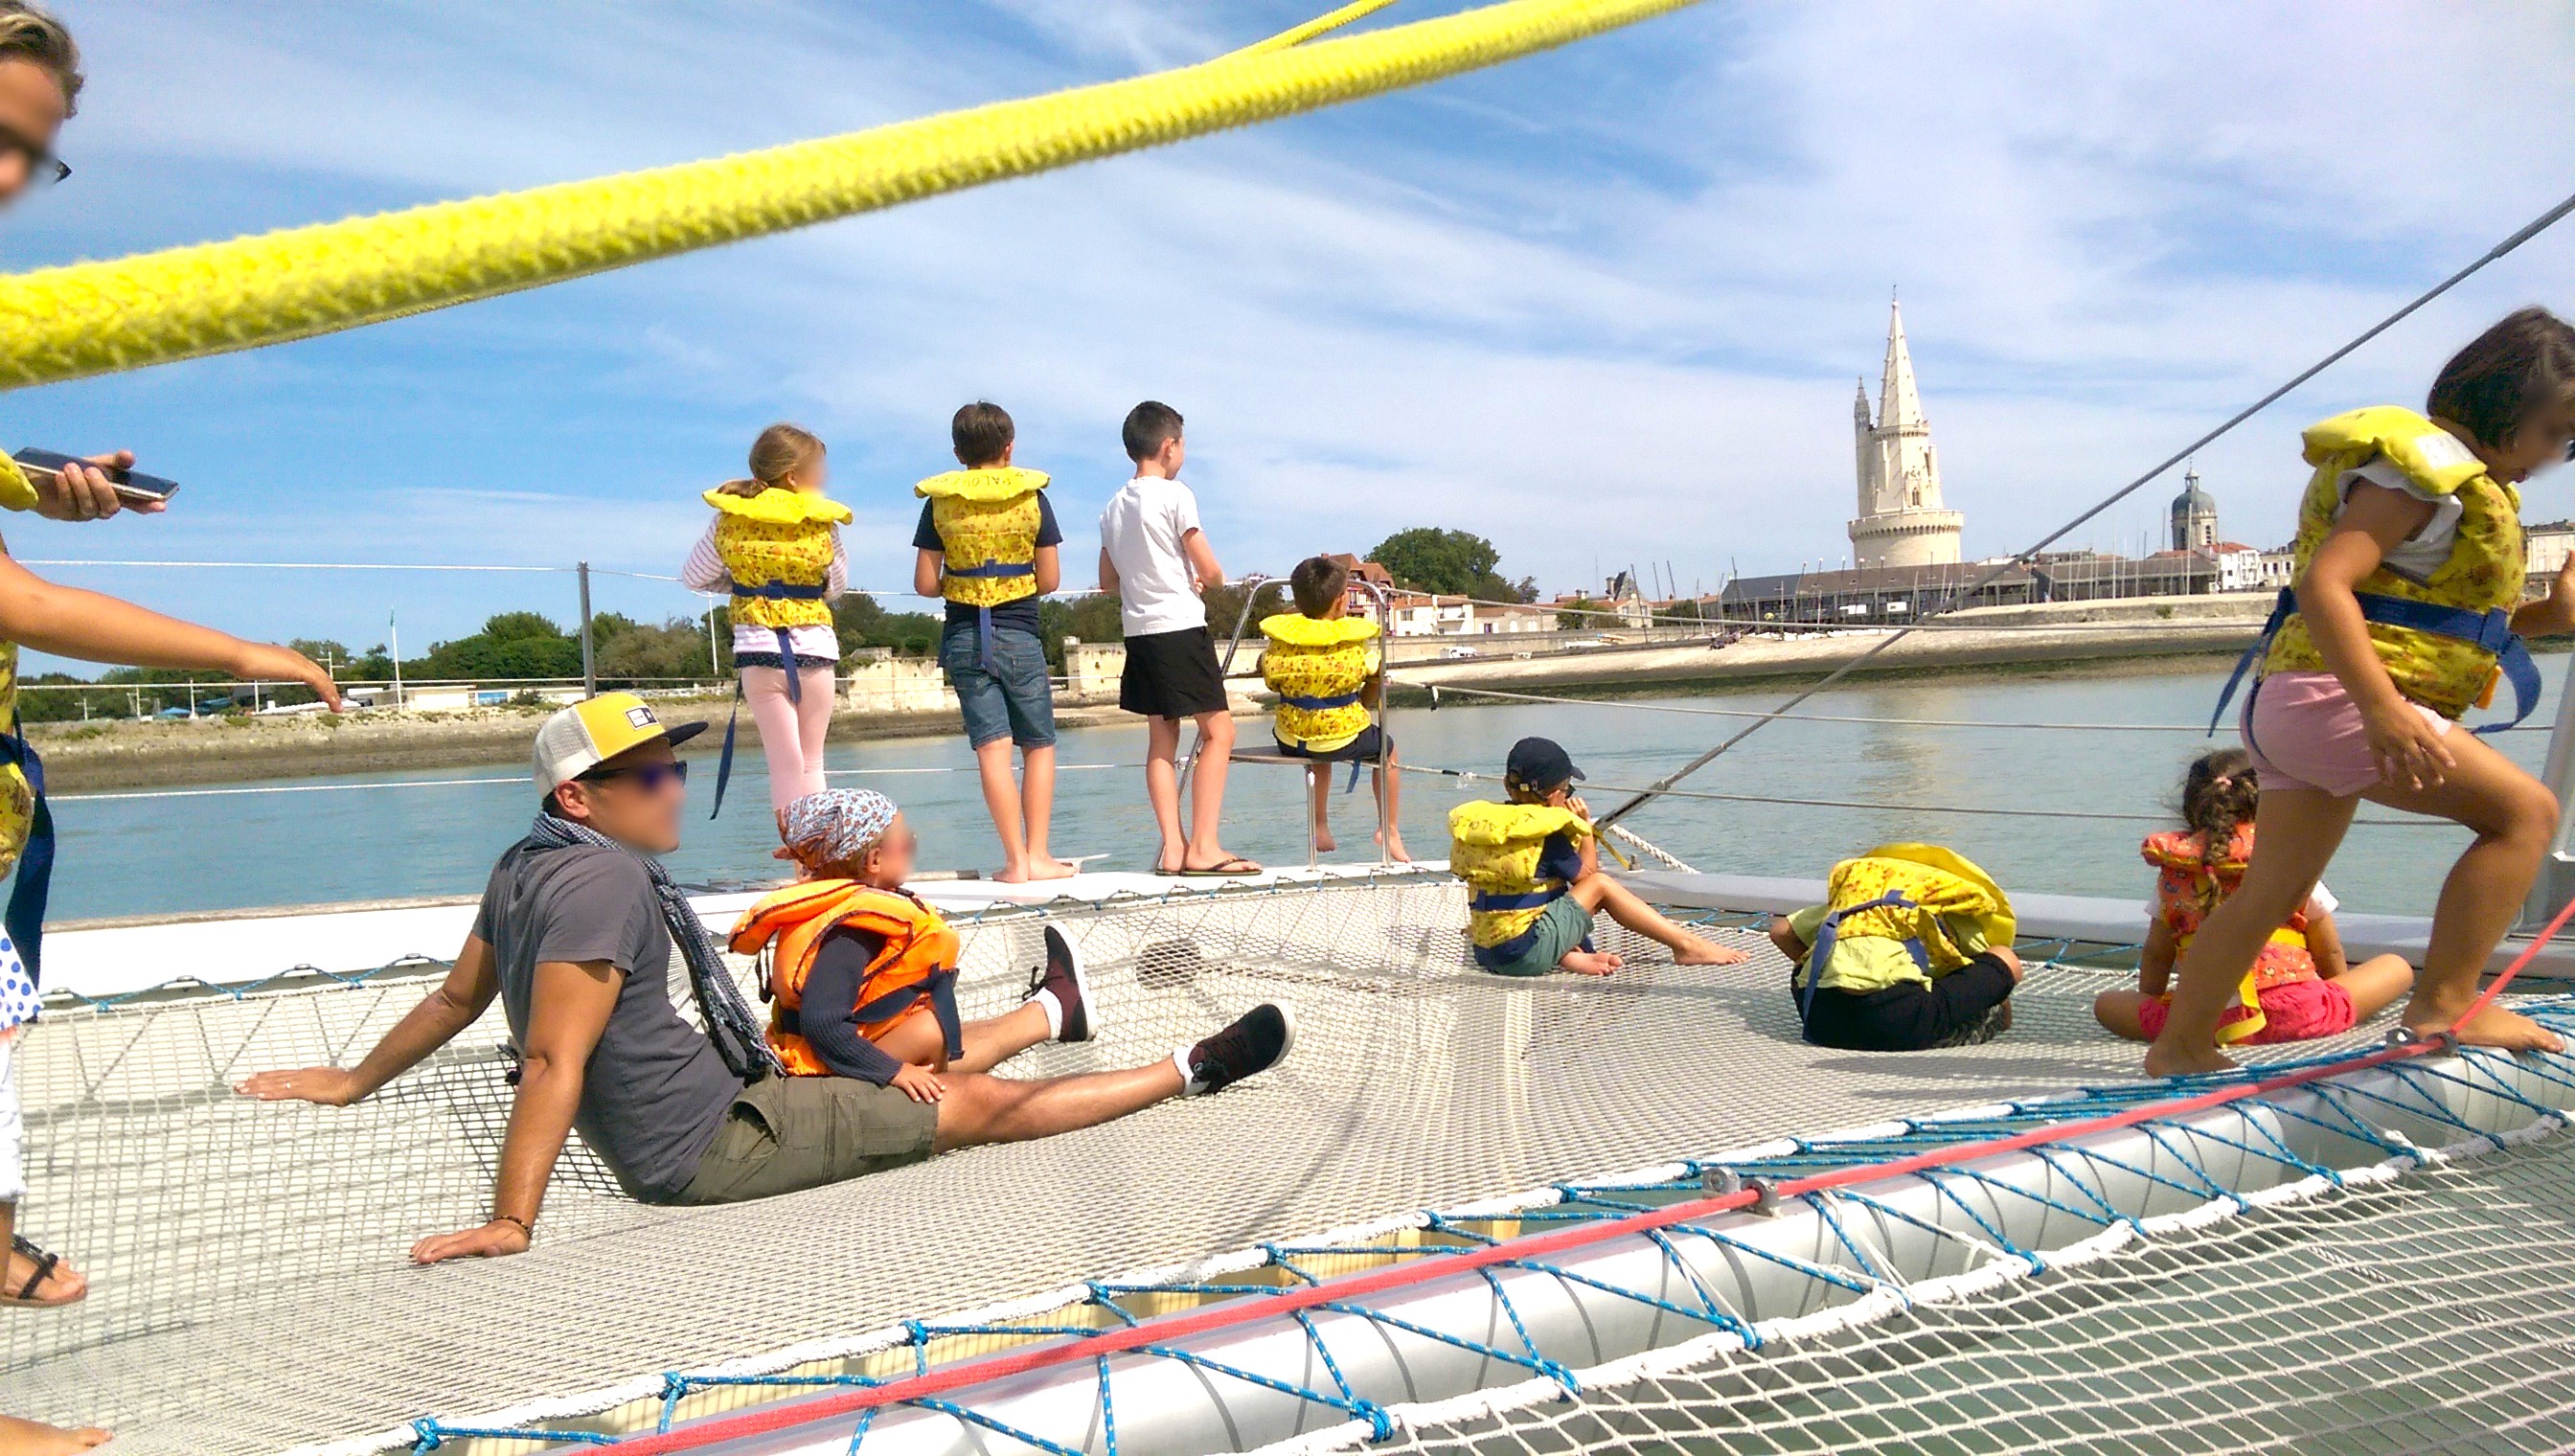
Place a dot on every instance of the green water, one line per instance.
(154, 855)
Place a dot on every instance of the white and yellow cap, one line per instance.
(588, 734)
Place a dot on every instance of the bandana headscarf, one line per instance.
(836, 826)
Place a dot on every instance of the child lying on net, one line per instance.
(2300, 985)
(862, 973)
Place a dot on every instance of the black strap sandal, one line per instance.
(45, 1264)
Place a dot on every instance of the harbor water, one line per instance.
(427, 832)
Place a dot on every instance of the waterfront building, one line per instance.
(1424, 615)
(2195, 516)
(1901, 522)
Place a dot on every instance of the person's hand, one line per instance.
(329, 1086)
(493, 1240)
(919, 1084)
(2561, 597)
(1580, 809)
(2408, 751)
(267, 661)
(81, 492)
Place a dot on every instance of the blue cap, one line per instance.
(1540, 764)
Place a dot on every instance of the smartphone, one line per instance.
(133, 485)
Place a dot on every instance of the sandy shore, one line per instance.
(108, 756)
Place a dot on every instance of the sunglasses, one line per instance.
(44, 169)
(652, 777)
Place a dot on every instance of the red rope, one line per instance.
(1172, 1328)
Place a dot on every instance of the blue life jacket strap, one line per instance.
(781, 591)
(2491, 631)
(25, 918)
(1529, 901)
(1820, 954)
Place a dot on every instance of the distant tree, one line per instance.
(1450, 564)
(510, 645)
(1583, 615)
(640, 656)
(1096, 618)
(1224, 607)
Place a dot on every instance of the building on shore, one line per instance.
(1873, 595)
(1902, 523)
(2194, 514)
(1430, 614)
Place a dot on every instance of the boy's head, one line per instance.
(1539, 771)
(1321, 586)
(1152, 436)
(982, 433)
(851, 833)
(40, 78)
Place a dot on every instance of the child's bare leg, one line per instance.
(1319, 795)
(1036, 802)
(1206, 792)
(1002, 801)
(2296, 833)
(1389, 797)
(1163, 790)
(2514, 816)
(2375, 983)
(1597, 891)
(19, 1437)
(2117, 1013)
(988, 1042)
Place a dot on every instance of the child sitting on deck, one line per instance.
(2300, 985)
(1534, 877)
(1910, 952)
(1319, 663)
(861, 974)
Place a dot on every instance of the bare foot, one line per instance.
(1706, 952)
(2163, 1062)
(65, 1285)
(2494, 1026)
(1591, 962)
(1321, 835)
(1046, 866)
(35, 1438)
(1394, 845)
(1012, 874)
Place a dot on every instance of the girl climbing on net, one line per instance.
(2407, 612)
(2300, 985)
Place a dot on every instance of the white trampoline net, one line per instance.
(248, 1260)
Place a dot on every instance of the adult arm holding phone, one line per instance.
(84, 490)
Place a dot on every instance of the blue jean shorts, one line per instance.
(1014, 700)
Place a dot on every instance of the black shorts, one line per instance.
(1171, 674)
(1957, 1009)
(1368, 748)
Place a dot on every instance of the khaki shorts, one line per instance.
(788, 1134)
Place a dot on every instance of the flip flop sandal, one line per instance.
(1234, 868)
(45, 1263)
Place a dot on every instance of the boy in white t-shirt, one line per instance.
(1157, 561)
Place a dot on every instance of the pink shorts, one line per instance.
(2298, 1011)
(2304, 732)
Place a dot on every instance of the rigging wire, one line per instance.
(2528, 231)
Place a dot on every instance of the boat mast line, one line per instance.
(2528, 231)
(1161, 1333)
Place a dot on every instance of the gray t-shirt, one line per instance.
(656, 1089)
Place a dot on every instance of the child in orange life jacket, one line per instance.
(2301, 986)
(862, 973)
(1321, 664)
(1534, 877)
(2408, 607)
(775, 547)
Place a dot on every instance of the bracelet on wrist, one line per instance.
(525, 1227)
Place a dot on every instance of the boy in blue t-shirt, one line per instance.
(991, 648)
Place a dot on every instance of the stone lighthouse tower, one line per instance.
(1901, 522)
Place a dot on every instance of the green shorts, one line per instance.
(1559, 928)
(788, 1134)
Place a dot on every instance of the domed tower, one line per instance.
(2194, 514)
(1901, 522)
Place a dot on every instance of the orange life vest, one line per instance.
(2190, 881)
(915, 971)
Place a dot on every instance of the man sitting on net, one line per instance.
(575, 937)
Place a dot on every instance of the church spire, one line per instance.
(1898, 406)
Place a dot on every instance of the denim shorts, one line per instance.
(1015, 700)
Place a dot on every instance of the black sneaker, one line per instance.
(1062, 975)
(1257, 1041)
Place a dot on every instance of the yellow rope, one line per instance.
(1296, 35)
(98, 317)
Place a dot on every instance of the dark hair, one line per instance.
(1147, 426)
(980, 432)
(2218, 793)
(32, 33)
(2505, 375)
(1318, 582)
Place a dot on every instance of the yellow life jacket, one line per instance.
(987, 524)
(2191, 880)
(913, 973)
(2483, 575)
(1907, 894)
(1318, 666)
(1494, 847)
(777, 547)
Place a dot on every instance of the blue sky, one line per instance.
(1604, 306)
